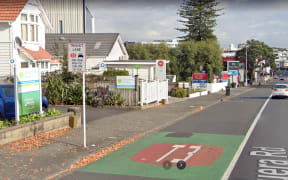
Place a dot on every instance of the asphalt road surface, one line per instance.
(206, 141)
(265, 154)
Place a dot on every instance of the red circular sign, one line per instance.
(191, 154)
(160, 63)
(73, 55)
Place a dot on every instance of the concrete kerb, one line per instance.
(148, 132)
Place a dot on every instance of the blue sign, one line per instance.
(11, 61)
(232, 73)
(203, 71)
(102, 65)
(200, 81)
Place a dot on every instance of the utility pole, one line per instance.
(246, 74)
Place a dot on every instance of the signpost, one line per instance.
(77, 63)
(11, 61)
(160, 70)
(27, 90)
(137, 66)
(224, 76)
(29, 95)
(201, 79)
(233, 68)
(102, 65)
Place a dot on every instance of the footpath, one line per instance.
(59, 155)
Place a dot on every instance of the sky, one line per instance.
(148, 20)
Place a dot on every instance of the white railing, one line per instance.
(154, 91)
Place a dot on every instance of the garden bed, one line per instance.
(14, 133)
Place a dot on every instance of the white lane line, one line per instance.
(244, 142)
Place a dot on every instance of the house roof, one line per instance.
(42, 54)
(11, 9)
(97, 44)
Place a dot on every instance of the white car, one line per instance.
(280, 90)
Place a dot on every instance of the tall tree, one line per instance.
(199, 19)
(256, 50)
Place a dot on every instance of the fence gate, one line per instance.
(153, 91)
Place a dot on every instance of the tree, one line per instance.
(148, 51)
(199, 19)
(187, 58)
(256, 50)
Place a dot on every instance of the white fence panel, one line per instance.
(153, 91)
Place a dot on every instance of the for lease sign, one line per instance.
(28, 91)
(76, 57)
(125, 82)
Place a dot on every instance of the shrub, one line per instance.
(5, 124)
(114, 99)
(36, 116)
(116, 73)
(179, 92)
(59, 91)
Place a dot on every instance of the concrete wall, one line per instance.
(41, 126)
(216, 87)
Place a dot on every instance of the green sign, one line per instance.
(29, 102)
(137, 66)
(28, 91)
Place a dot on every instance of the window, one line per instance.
(24, 64)
(32, 33)
(33, 65)
(42, 65)
(24, 32)
(32, 18)
(37, 34)
(23, 17)
(61, 27)
(46, 65)
(29, 27)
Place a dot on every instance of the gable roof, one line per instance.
(97, 44)
(41, 54)
(10, 9)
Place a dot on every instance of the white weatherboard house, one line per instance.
(145, 69)
(22, 36)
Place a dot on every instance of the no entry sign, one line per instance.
(191, 154)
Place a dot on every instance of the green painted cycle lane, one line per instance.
(207, 155)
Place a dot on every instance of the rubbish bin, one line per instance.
(227, 91)
(233, 85)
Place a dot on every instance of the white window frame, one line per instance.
(29, 23)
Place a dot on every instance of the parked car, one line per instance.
(280, 90)
(7, 101)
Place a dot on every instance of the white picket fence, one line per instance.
(153, 91)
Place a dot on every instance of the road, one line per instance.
(265, 154)
(207, 141)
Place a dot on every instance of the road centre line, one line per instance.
(244, 142)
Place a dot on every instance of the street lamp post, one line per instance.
(246, 69)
